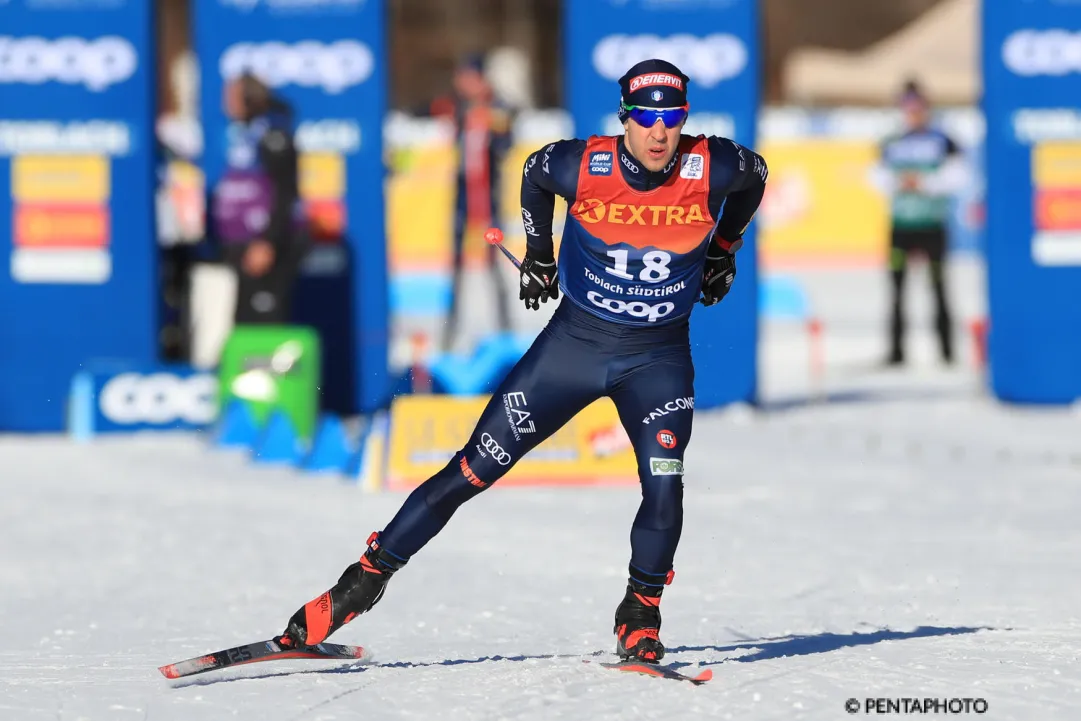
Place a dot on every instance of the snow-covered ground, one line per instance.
(903, 537)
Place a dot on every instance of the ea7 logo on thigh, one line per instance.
(516, 417)
(665, 467)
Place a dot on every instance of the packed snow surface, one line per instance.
(873, 536)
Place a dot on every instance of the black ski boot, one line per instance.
(359, 588)
(638, 620)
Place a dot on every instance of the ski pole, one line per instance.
(494, 236)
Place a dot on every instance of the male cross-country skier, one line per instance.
(645, 238)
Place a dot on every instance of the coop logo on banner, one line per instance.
(334, 67)
(94, 64)
(707, 61)
(1043, 52)
(159, 399)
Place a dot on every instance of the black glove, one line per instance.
(717, 276)
(540, 281)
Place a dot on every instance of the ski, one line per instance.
(650, 669)
(259, 651)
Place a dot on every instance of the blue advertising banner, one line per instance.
(715, 43)
(1032, 101)
(107, 398)
(77, 245)
(326, 59)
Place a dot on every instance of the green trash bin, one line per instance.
(274, 367)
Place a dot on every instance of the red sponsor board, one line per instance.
(1058, 209)
(46, 225)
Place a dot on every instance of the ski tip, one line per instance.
(261, 651)
(338, 650)
(179, 669)
(704, 676)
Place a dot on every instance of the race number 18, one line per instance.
(654, 270)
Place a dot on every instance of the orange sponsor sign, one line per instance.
(43, 225)
(1058, 209)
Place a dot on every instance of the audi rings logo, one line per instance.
(489, 444)
(707, 61)
(159, 398)
(309, 64)
(1046, 52)
(95, 64)
(635, 309)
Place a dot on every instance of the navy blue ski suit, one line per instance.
(630, 268)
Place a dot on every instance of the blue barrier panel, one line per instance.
(715, 43)
(77, 238)
(1032, 95)
(326, 58)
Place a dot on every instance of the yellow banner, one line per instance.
(1056, 165)
(60, 179)
(820, 202)
(321, 176)
(427, 430)
(420, 209)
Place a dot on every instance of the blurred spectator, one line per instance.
(482, 132)
(921, 169)
(256, 216)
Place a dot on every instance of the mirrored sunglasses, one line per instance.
(648, 117)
